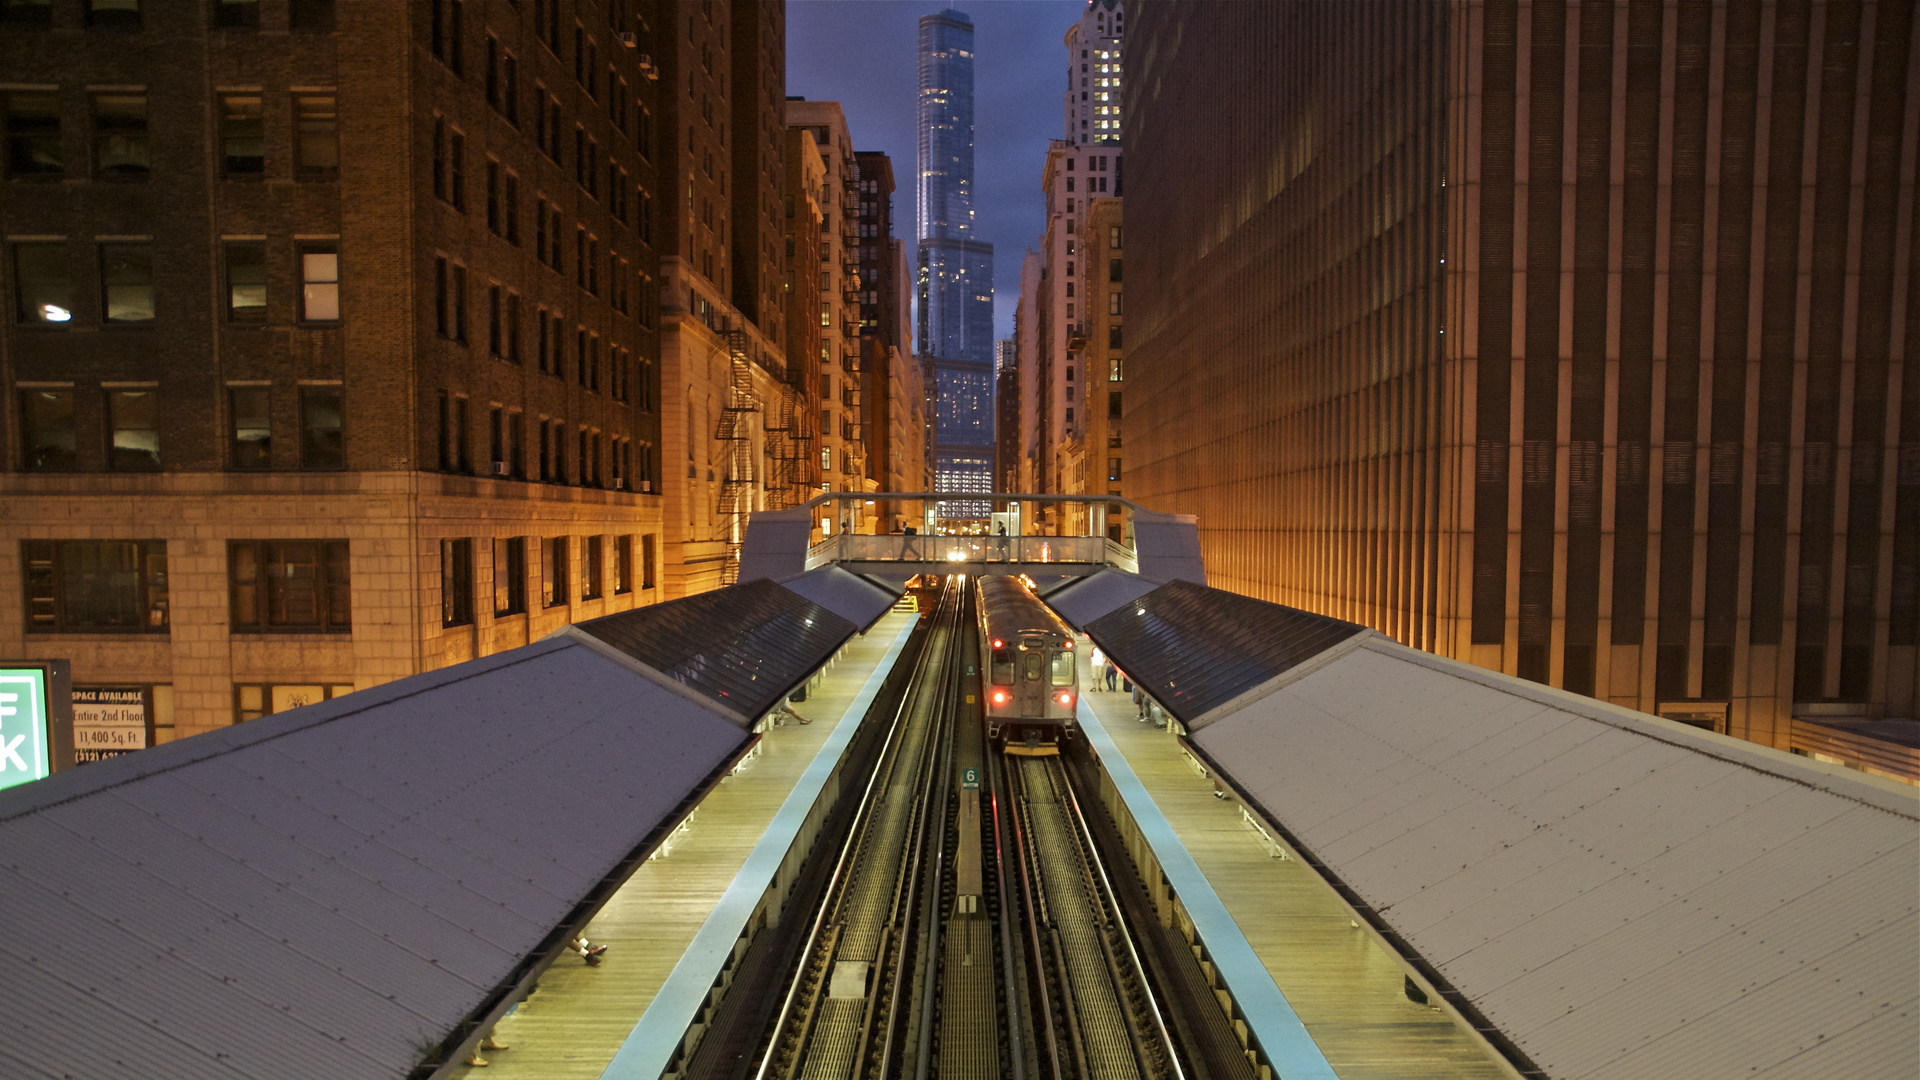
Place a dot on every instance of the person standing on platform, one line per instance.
(1113, 672)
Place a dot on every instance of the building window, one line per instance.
(1113, 239)
(553, 571)
(313, 16)
(622, 564)
(316, 130)
(120, 135)
(95, 586)
(457, 164)
(114, 14)
(1113, 269)
(456, 582)
(440, 158)
(46, 430)
(33, 136)
(320, 283)
(509, 576)
(242, 136)
(516, 446)
(1113, 469)
(237, 14)
(496, 323)
(126, 282)
(251, 445)
(133, 418)
(1113, 337)
(510, 209)
(493, 197)
(1113, 302)
(1116, 369)
(246, 282)
(323, 443)
(289, 585)
(510, 89)
(513, 328)
(453, 301)
(593, 567)
(42, 291)
(446, 33)
(251, 701)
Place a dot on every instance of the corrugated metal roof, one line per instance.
(329, 892)
(1620, 896)
(1082, 600)
(859, 599)
(742, 648)
(1195, 649)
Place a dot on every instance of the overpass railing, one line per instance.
(932, 550)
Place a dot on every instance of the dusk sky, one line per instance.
(861, 54)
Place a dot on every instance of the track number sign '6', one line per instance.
(969, 779)
(23, 726)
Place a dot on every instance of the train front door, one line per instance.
(1030, 689)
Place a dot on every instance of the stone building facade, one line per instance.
(1565, 338)
(330, 351)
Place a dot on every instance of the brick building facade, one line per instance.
(330, 352)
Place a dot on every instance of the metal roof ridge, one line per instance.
(129, 768)
(1891, 796)
(1286, 678)
(674, 686)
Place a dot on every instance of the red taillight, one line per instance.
(999, 697)
(1066, 697)
(998, 644)
(1068, 645)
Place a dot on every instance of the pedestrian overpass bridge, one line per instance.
(781, 543)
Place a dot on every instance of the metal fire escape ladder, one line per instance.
(736, 438)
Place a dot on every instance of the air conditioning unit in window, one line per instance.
(646, 487)
(648, 68)
(499, 468)
(628, 38)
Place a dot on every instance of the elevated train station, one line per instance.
(1372, 862)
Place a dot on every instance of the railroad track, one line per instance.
(847, 1010)
(968, 933)
(1096, 1016)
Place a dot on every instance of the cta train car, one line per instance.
(1031, 681)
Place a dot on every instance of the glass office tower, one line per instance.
(955, 271)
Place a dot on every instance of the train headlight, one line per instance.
(1066, 697)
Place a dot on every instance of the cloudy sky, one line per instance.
(861, 54)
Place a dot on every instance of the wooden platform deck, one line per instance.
(578, 1017)
(1343, 987)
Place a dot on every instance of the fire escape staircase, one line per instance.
(735, 434)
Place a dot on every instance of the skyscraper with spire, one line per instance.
(955, 270)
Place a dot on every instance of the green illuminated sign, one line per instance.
(24, 751)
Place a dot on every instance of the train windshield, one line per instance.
(1002, 669)
(1063, 669)
(1033, 665)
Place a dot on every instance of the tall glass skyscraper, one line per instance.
(955, 271)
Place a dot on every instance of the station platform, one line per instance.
(1328, 975)
(672, 925)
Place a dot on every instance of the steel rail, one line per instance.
(1108, 897)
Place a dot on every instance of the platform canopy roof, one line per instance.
(1611, 894)
(356, 888)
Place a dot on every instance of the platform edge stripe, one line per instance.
(644, 1054)
(1289, 1047)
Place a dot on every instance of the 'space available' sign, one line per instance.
(108, 722)
(24, 751)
